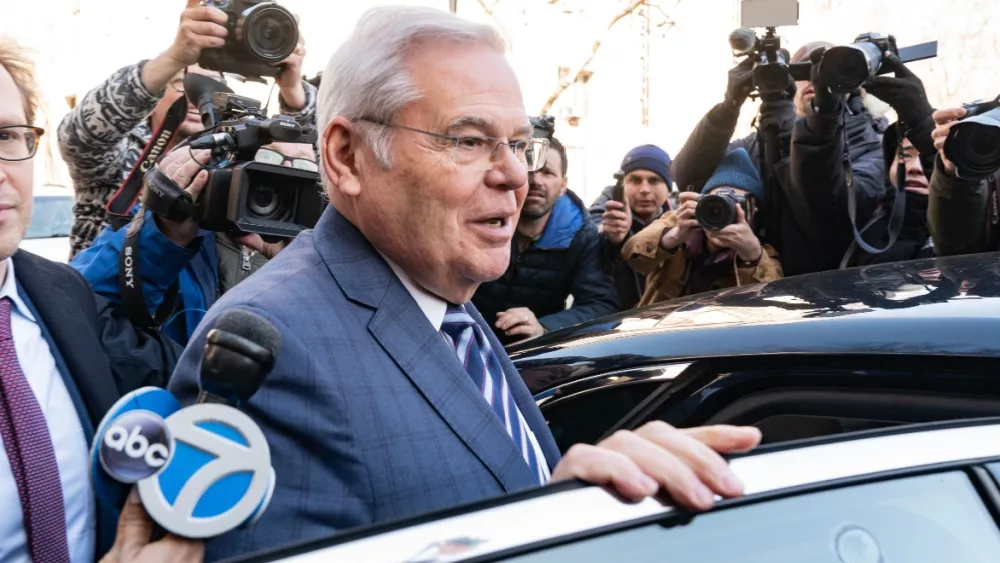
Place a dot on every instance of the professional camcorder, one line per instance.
(544, 127)
(973, 144)
(717, 211)
(241, 195)
(260, 33)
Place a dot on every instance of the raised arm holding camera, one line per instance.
(102, 138)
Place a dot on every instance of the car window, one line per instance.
(52, 217)
(925, 519)
(584, 419)
(787, 427)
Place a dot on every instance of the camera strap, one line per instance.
(130, 281)
(898, 212)
(119, 207)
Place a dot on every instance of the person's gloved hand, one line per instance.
(905, 92)
(740, 83)
(824, 101)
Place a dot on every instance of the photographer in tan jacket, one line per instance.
(682, 255)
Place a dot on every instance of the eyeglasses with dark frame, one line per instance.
(19, 142)
(469, 149)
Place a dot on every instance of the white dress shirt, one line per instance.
(72, 455)
(435, 308)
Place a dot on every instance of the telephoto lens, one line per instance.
(846, 68)
(973, 145)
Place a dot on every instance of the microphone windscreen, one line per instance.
(197, 85)
(742, 40)
(251, 326)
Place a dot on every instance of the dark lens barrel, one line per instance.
(270, 32)
(848, 67)
(265, 202)
(973, 145)
(715, 212)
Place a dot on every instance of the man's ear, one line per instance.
(339, 156)
(565, 183)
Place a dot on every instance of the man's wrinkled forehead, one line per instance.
(11, 101)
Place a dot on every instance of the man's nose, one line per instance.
(508, 173)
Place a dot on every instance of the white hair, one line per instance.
(367, 77)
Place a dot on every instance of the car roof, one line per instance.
(52, 191)
(939, 306)
(572, 508)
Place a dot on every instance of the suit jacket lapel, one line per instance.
(522, 397)
(403, 330)
(46, 286)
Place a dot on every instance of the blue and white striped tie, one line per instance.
(481, 363)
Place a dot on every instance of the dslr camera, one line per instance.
(717, 211)
(260, 33)
(241, 195)
(973, 144)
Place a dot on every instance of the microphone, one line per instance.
(239, 353)
(742, 41)
(213, 141)
(205, 469)
(200, 91)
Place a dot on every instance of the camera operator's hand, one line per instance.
(740, 83)
(132, 542)
(519, 321)
(617, 221)
(290, 80)
(905, 93)
(268, 249)
(686, 221)
(824, 101)
(738, 236)
(201, 27)
(185, 168)
(944, 119)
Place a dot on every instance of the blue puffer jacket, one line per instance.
(564, 261)
(161, 262)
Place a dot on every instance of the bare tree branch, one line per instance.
(582, 70)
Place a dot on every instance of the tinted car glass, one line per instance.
(52, 217)
(584, 419)
(925, 519)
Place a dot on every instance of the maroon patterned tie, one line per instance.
(32, 457)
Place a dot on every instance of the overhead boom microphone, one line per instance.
(239, 353)
(200, 91)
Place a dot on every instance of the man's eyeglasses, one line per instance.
(271, 156)
(473, 149)
(19, 142)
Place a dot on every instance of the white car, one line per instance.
(51, 220)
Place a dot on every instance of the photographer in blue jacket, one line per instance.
(202, 263)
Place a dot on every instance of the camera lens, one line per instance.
(267, 203)
(715, 212)
(271, 33)
(973, 145)
(848, 67)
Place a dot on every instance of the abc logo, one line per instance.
(135, 446)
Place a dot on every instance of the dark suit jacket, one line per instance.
(98, 352)
(368, 413)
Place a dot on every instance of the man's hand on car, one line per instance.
(186, 169)
(132, 541)
(739, 237)
(686, 463)
(617, 221)
(686, 221)
(944, 119)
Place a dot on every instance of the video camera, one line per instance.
(260, 33)
(717, 211)
(241, 195)
(973, 144)
(544, 127)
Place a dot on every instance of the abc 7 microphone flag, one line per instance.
(201, 470)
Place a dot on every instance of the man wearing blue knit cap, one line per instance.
(647, 184)
(681, 254)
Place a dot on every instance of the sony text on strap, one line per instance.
(204, 469)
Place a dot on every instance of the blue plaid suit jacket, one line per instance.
(368, 413)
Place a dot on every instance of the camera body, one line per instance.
(260, 33)
(717, 211)
(544, 127)
(848, 67)
(242, 196)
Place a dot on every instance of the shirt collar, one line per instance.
(9, 289)
(432, 306)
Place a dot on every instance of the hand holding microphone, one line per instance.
(202, 470)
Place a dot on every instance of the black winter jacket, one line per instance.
(564, 261)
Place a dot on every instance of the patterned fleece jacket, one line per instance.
(102, 138)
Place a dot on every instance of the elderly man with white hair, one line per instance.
(391, 396)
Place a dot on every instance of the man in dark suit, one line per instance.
(391, 395)
(66, 356)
